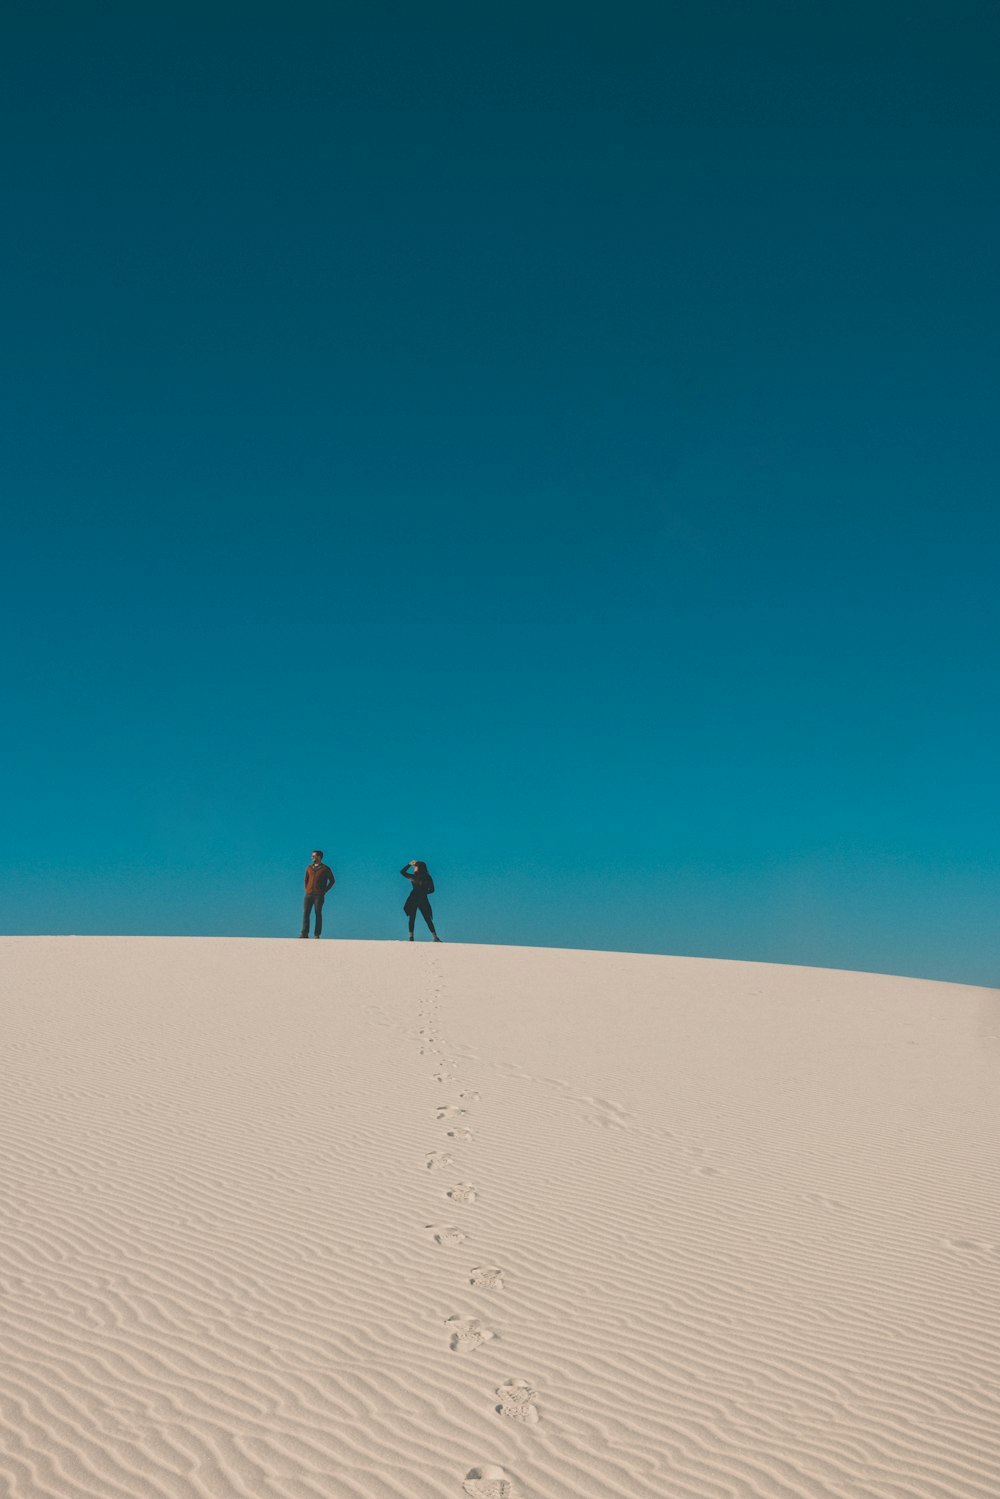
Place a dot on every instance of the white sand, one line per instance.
(746, 1219)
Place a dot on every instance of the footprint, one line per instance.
(487, 1278)
(821, 1200)
(516, 1396)
(488, 1482)
(380, 1016)
(609, 1115)
(511, 1069)
(446, 1236)
(443, 1077)
(467, 1334)
(450, 1111)
(462, 1192)
(461, 1134)
(437, 1160)
(470, 1095)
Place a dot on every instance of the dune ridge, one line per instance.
(370, 1219)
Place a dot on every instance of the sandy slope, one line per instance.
(746, 1221)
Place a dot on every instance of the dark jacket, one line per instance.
(422, 883)
(319, 879)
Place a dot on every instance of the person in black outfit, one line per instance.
(419, 877)
(319, 879)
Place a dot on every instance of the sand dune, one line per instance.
(366, 1220)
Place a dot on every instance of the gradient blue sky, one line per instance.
(555, 440)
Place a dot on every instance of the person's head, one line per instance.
(317, 855)
(419, 866)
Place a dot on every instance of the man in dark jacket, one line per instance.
(319, 879)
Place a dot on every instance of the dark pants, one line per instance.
(415, 903)
(313, 903)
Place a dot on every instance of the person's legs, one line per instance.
(318, 908)
(306, 908)
(427, 914)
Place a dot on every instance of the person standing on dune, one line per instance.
(319, 879)
(419, 877)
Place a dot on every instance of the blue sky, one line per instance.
(555, 441)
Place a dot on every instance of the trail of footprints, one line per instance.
(515, 1398)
